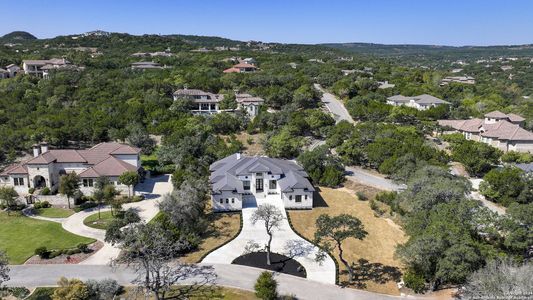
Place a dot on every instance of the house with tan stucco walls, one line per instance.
(503, 131)
(46, 167)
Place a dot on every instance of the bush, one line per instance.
(361, 195)
(415, 282)
(266, 286)
(31, 190)
(42, 252)
(375, 207)
(72, 251)
(131, 216)
(137, 198)
(83, 247)
(45, 191)
(55, 253)
(46, 204)
(103, 289)
(86, 205)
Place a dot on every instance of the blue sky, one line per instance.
(451, 22)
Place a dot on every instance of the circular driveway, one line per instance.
(284, 240)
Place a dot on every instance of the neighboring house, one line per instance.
(144, 65)
(4, 74)
(236, 181)
(42, 67)
(13, 70)
(204, 102)
(249, 103)
(420, 102)
(208, 103)
(458, 79)
(385, 85)
(9, 72)
(47, 165)
(242, 67)
(500, 130)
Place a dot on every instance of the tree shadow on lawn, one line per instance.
(366, 271)
(214, 229)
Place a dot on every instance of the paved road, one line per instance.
(228, 275)
(321, 272)
(368, 178)
(335, 106)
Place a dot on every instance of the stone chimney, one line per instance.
(44, 147)
(36, 150)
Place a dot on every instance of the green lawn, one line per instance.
(20, 235)
(105, 219)
(54, 212)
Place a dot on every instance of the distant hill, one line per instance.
(432, 50)
(18, 36)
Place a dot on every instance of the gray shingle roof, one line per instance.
(225, 172)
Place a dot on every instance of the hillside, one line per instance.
(433, 50)
(18, 36)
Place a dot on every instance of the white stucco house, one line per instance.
(43, 67)
(497, 129)
(238, 180)
(420, 102)
(47, 165)
(206, 103)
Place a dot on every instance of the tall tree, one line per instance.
(98, 194)
(272, 217)
(337, 229)
(150, 249)
(129, 178)
(69, 184)
(8, 197)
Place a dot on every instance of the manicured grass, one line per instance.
(223, 227)
(54, 212)
(20, 235)
(377, 248)
(105, 219)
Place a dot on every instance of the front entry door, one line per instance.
(259, 185)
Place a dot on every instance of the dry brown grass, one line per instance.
(223, 227)
(255, 148)
(377, 248)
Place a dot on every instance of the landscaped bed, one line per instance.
(215, 292)
(279, 263)
(223, 228)
(54, 212)
(99, 223)
(20, 236)
(378, 267)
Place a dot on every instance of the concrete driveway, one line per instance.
(323, 272)
(334, 105)
(152, 188)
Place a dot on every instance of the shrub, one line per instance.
(103, 289)
(55, 253)
(250, 141)
(45, 191)
(266, 286)
(37, 205)
(83, 247)
(31, 190)
(16, 292)
(415, 282)
(42, 252)
(131, 216)
(85, 205)
(137, 198)
(72, 251)
(375, 207)
(361, 195)
(45, 204)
